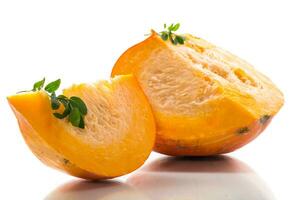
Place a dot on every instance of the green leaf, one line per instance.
(74, 107)
(164, 36)
(169, 34)
(170, 28)
(81, 123)
(78, 103)
(173, 40)
(67, 110)
(180, 39)
(165, 25)
(38, 85)
(176, 27)
(54, 101)
(62, 97)
(64, 114)
(65, 102)
(75, 117)
(53, 86)
(59, 116)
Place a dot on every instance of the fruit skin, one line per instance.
(230, 142)
(122, 147)
(240, 96)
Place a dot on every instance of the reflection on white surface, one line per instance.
(167, 178)
(214, 178)
(85, 190)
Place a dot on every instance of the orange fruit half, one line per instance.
(205, 100)
(118, 136)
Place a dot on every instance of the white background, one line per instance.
(79, 41)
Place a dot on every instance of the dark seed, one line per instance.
(264, 119)
(243, 130)
(66, 161)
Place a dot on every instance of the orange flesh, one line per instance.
(201, 95)
(118, 137)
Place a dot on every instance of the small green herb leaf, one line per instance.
(78, 103)
(74, 107)
(64, 100)
(38, 85)
(62, 97)
(174, 41)
(179, 39)
(59, 116)
(54, 101)
(53, 86)
(75, 117)
(81, 123)
(168, 33)
(164, 36)
(66, 111)
(170, 28)
(176, 27)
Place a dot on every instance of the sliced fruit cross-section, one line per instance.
(205, 100)
(118, 136)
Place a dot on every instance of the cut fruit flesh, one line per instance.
(118, 136)
(201, 95)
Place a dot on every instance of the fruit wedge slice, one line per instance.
(118, 136)
(205, 100)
